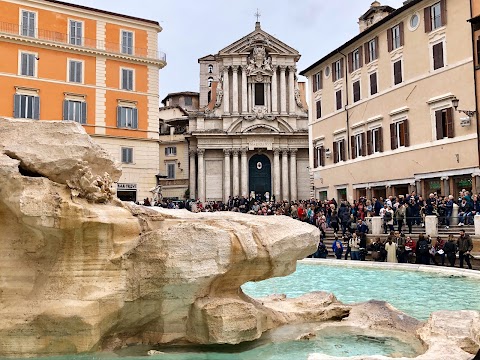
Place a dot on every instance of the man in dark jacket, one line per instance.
(465, 245)
(344, 216)
(450, 249)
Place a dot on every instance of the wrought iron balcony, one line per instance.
(80, 42)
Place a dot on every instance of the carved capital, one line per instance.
(274, 68)
(235, 68)
(276, 151)
(225, 69)
(244, 151)
(283, 68)
(227, 152)
(192, 153)
(235, 152)
(293, 152)
(201, 152)
(292, 69)
(285, 152)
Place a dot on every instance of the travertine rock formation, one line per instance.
(78, 276)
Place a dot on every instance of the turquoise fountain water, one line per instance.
(415, 293)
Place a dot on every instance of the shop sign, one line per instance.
(126, 186)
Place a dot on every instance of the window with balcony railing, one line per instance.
(76, 32)
(29, 20)
(127, 42)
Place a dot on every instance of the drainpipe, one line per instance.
(475, 79)
(345, 61)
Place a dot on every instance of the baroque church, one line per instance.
(251, 135)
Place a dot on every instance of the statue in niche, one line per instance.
(218, 100)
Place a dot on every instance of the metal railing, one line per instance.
(81, 42)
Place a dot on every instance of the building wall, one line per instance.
(100, 88)
(422, 92)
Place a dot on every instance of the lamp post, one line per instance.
(469, 113)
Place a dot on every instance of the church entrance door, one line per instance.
(260, 175)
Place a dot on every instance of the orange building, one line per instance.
(67, 62)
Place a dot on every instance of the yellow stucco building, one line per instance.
(383, 119)
(67, 62)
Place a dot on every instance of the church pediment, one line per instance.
(259, 38)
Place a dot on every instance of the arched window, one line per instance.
(210, 80)
(210, 69)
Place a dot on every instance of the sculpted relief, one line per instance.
(259, 63)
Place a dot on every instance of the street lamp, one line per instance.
(469, 113)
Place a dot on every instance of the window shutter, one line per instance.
(360, 56)
(402, 34)
(438, 56)
(343, 149)
(393, 136)
(390, 40)
(406, 133)
(36, 108)
(130, 80)
(364, 145)
(443, 11)
(78, 73)
(397, 70)
(373, 83)
(17, 100)
(319, 109)
(367, 52)
(24, 64)
(335, 152)
(65, 109)
(369, 142)
(314, 83)
(84, 112)
(320, 82)
(342, 68)
(350, 62)
(31, 24)
(119, 116)
(338, 95)
(31, 65)
(322, 156)
(450, 124)
(315, 157)
(334, 73)
(478, 51)
(353, 146)
(124, 79)
(377, 48)
(380, 139)
(135, 118)
(438, 124)
(428, 19)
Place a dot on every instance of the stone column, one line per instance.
(201, 174)
(236, 175)
(244, 90)
(244, 171)
(293, 174)
(226, 91)
(285, 187)
(283, 90)
(276, 174)
(377, 225)
(445, 186)
(291, 89)
(193, 175)
(431, 225)
(476, 220)
(235, 90)
(227, 175)
(274, 91)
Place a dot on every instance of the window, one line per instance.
(318, 106)
(75, 111)
(444, 123)
(356, 91)
(171, 171)
(317, 82)
(127, 79)
(209, 97)
(371, 50)
(399, 135)
(435, 16)
(395, 37)
(337, 68)
(319, 156)
(374, 141)
(259, 94)
(358, 145)
(28, 23)
(210, 69)
(437, 51)
(76, 32)
(397, 72)
(355, 59)
(414, 21)
(127, 117)
(127, 42)
(339, 153)
(188, 101)
(127, 155)
(373, 84)
(171, 151)
(27, 66)
(209, 81)
(26, 107)
(75, 71)
(338, 99)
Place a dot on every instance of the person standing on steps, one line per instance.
(337, 248)
(450, 249)
(465, 246)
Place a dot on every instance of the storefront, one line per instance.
(127, 192)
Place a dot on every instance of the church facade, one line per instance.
(251, 135)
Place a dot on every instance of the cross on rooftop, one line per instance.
(257, 15)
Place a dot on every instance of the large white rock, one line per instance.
(79, 276)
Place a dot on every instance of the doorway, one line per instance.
(260, 175)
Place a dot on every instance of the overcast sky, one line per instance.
(195, 28)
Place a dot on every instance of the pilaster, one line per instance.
(285, 187)
(244, 173)
(236, 175)
(235, 96)
(293, 174)
(283, 90)
(227, 176)
(201, 174)
(276, 174)
(193, 175)
(226, 90)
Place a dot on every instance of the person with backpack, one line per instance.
(322, 251)
(388, 219)
(465, 245)
(423, 255)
